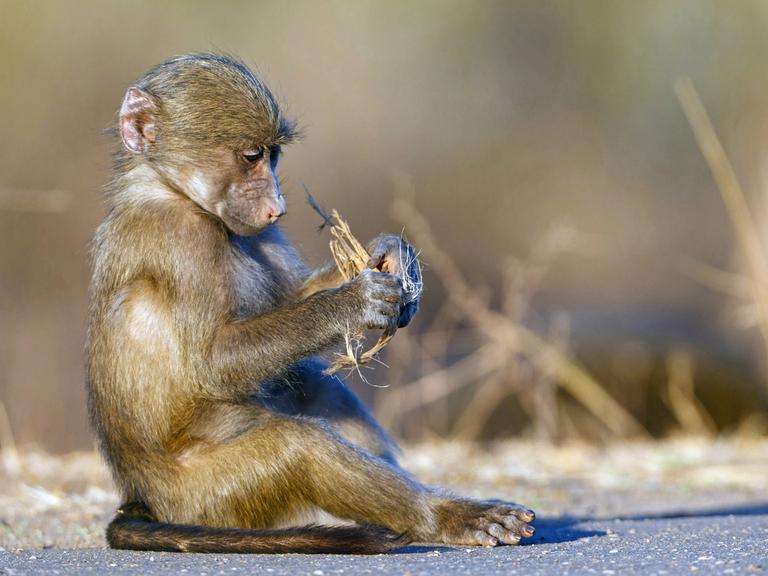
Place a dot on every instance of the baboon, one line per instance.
(212, 411)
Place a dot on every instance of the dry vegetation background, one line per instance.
(582, 276)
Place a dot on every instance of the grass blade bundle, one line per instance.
(351, 259)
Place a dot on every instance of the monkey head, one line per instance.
(213, 132)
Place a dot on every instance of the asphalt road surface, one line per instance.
(731, 540)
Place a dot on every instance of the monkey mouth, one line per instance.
(254, 226)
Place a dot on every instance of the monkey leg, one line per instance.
(288, 465)
(305, 391)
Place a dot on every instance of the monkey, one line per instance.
(205, 386)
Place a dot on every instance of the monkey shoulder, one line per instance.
(158, 255)
(167, 237)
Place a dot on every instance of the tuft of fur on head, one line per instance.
(207, 100)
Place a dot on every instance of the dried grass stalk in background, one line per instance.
(680, 396)
(9, 454)
(505, 337)
(733, 197)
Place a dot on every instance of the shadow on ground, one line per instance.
(567, 528)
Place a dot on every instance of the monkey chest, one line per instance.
(255, 284)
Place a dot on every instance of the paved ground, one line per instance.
(679, 507)
(728, 541)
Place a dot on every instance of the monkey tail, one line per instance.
(135, 528)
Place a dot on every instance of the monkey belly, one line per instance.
(310, 515)
(303, 390)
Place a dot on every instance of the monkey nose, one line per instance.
(275, 212)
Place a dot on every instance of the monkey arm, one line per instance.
(327, 276)
(249, 351)
(389, 253)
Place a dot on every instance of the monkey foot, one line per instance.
(484, 523)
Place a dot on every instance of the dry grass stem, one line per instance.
(9, 454)
(681, 397)
(351, 259)
(440, 383)
(506, 336)
(350, 256)
(471, 422)
(716, 279)
(732, 195)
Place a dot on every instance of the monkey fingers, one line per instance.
(387, 311)
(385, 254)
(380, 294)
(484, 523)
(394, 255)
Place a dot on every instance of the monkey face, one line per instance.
(252, 199)
(238, 187)
(213, 131)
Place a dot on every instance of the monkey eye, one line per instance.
(253, 155)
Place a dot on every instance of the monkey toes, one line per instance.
(487, 523)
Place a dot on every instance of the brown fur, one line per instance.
(217, 423)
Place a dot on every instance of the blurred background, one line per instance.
(583, 278)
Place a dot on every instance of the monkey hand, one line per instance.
(378, 298)
(394, 255)
(462, 521)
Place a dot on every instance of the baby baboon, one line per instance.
(220, 429)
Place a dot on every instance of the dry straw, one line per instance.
(351, 259)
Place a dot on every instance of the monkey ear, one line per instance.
(138, 120)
